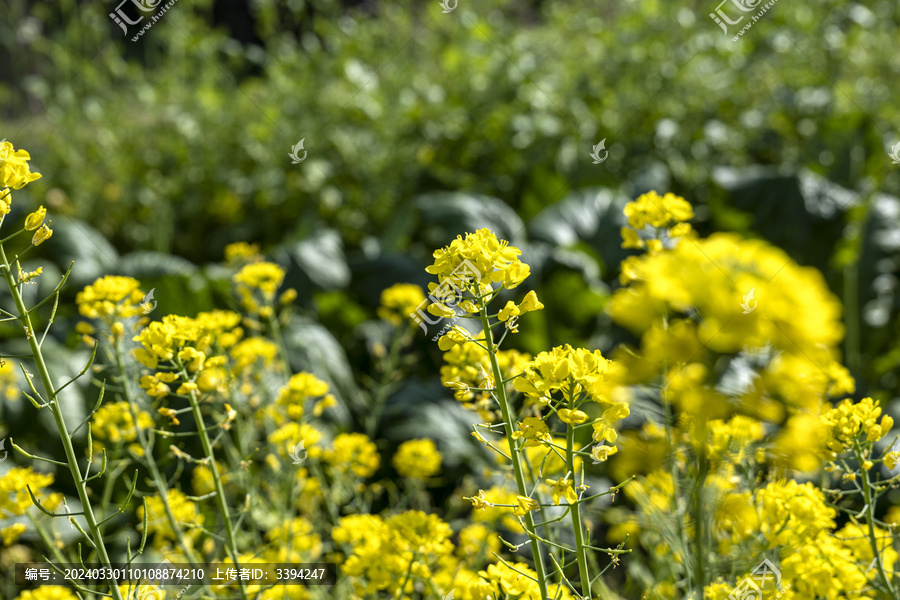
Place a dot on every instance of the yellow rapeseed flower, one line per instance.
(41, 235)
(418, 459)
(110, 298)
(14, 170)
(399, 301)
(35, 219)
(851, 422)
(354, 452)
(113, 422)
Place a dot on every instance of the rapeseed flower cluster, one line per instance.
(715, 428)
(468, 371)
(113, 422)
(14, 171)
(494, 261)
(300, 388)
(187, 515)
(417, 459)
(851, 422)
(353, 453)
(111, 298)
(14, 496)
(395, 554)
(256, 285)
(655, 221)
(797, 320)
(399, 301)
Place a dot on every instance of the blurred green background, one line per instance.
(421, 125)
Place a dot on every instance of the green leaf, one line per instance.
(318, 260)
(75, 240)
(312, 348)
(444, 215)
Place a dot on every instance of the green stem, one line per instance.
(159, 481)
(669, 421)
(577, 526)
(699, 530)
(383, 389)
(45, 537)
(399, 591)
(870, 521)
(217, 482)
(275, 326)
(851, 309)
(56, 411)
(503, 401)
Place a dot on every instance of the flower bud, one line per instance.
(41, 235)
(35, 219)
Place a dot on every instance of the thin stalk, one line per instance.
(217, 482)
(503, 401)
(159, 481)
(699, 530)
(870, 521)
(577, 525)
(669, 421)
(851, 309)
(275, 326)
(56, 411)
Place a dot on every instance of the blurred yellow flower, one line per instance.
(399, 301)
(354, 452)
(418, 459)
(113, 422)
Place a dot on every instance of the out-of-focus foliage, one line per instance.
(177, 143)
(420, 126)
